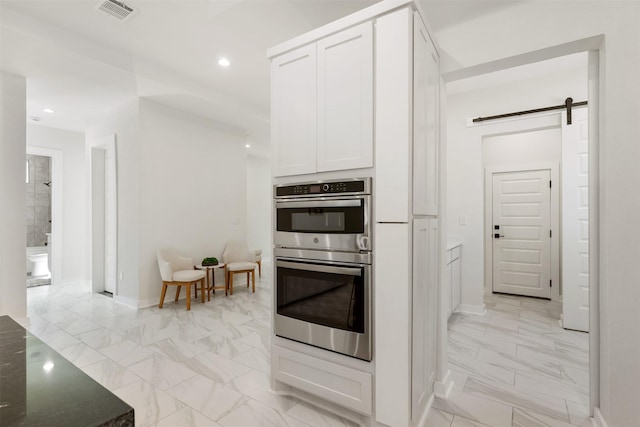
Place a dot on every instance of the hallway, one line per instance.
(515, 366)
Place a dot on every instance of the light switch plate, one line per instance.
(462, 219)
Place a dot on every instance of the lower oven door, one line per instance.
(324, 304)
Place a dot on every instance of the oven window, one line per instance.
(346, 220)
(335, 300)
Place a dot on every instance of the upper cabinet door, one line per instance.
(426, 86)
(293, 112)
(345, 99)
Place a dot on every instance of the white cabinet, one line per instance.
(322, 104)
(426, 90)
(453, 285)
(407, 121)
(335, 383)
(293, 112)
(345, 99)
(424, 322)
(392, 323)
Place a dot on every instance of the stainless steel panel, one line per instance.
(332, 257)
(323, 241)
(320, 268)
(344, 342)
(323, 202)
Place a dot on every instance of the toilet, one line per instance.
(39, 259)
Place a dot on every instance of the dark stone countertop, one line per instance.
(39, 387)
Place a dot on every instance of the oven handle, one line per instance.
(320, 268)
(320, 204)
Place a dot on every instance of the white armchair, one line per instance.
(177, 270)
(238, 258)
(257, 258)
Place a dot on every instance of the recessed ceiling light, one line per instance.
(224, 62)
(48, 110)
(248, 145)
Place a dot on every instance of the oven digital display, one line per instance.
(314, 188)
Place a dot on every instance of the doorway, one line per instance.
(56, 186)
(104, 210)
(462, 216)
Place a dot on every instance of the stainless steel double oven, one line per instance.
(323, 264)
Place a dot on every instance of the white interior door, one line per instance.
(522, 233)
(575, 221)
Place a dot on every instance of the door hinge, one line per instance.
(549, 184)
(550, 284)
(550, 234)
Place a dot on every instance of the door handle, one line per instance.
(497, 236)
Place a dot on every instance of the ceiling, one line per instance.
(81, 62)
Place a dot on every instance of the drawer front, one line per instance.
(339, 384)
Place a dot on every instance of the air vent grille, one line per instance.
(116, 9)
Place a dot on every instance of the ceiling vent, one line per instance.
(116, 9)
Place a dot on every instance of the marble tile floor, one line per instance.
(205, 367)
(210, 366)
(515, 366)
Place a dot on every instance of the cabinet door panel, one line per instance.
(345, 99)
(293, 112)
(455, 284)
(426, 83)
(425, 238)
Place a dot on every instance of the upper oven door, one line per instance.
(325, 223)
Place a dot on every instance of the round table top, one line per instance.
(200, 266)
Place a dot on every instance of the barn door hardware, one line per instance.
(568, 104)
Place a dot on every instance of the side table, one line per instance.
(211, 285)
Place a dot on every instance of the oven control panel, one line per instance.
(356, 186)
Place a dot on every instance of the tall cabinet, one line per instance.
(406, 200)
(363, 92)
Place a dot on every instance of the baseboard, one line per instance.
(423, 418)
(443, 388)
(478, 310)
(129, 302)
(67, 281)
(598, 420)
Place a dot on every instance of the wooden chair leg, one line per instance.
(253, 281)
(260, 268)
(226, 281)
(164, 292)
(231, 283)
(179, 288)
(247, 279)
(189, 297)
(201, 289)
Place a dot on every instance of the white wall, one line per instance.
(192, 190)
(529, 26)
(74, 186)
(538, 146)
(123, 122)
(13, 273)
(259, 204)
